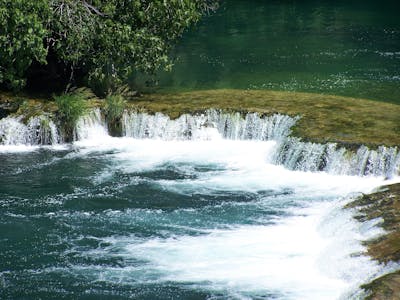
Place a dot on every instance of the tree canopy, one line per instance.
(99, 41)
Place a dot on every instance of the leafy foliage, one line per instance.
(102, 42)
(22, 32)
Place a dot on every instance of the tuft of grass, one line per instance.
(70, 108)
(113, 108)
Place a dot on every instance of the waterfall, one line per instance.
(42, 131)
(291, 152)
(228, 125)
(297, 155)
(39, 130)
(91, 126)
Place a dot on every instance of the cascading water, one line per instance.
(297, 155)
(290, 152)
(230, 126)
(91, 126)
(39, 130)
(42, 131)
(203, 207)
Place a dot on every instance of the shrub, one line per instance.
(103, 42)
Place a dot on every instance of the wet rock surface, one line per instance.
(385, 287)
(384, 204)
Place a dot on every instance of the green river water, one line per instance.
(349, 48)
(208, 217)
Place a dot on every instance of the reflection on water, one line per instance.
(336, 47)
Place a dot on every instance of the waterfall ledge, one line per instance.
(291, 152)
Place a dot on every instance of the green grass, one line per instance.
(70, 108)
(114, 107)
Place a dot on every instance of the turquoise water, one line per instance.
(208, 218)
(349, 48)
(118, 218)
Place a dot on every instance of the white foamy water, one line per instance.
(311, 251)
(314, 254)
(91, 127)
(244, 165)
(232, 126)
(292, 153)
(39, 130)
(289, 260)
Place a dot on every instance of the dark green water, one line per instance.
(349, 48)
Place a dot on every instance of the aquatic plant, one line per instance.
(70, 108)
(113, 108)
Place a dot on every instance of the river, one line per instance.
(349, 48)
(184, 209)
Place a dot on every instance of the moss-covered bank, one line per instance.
(384, 204)
(325, 118)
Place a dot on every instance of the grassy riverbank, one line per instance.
(324, 118)
(384, 204)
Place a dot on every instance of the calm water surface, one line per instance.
(349, 48)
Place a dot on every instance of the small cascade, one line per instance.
(13, 132)
(228, 125)
(290, 152)
(39, 130)
(91, 126)
(42, 131)
(297, 155)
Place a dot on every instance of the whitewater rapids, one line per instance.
(160, 214)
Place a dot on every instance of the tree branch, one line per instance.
(92, 9)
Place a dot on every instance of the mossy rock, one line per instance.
(384, 204)
(386, 287)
